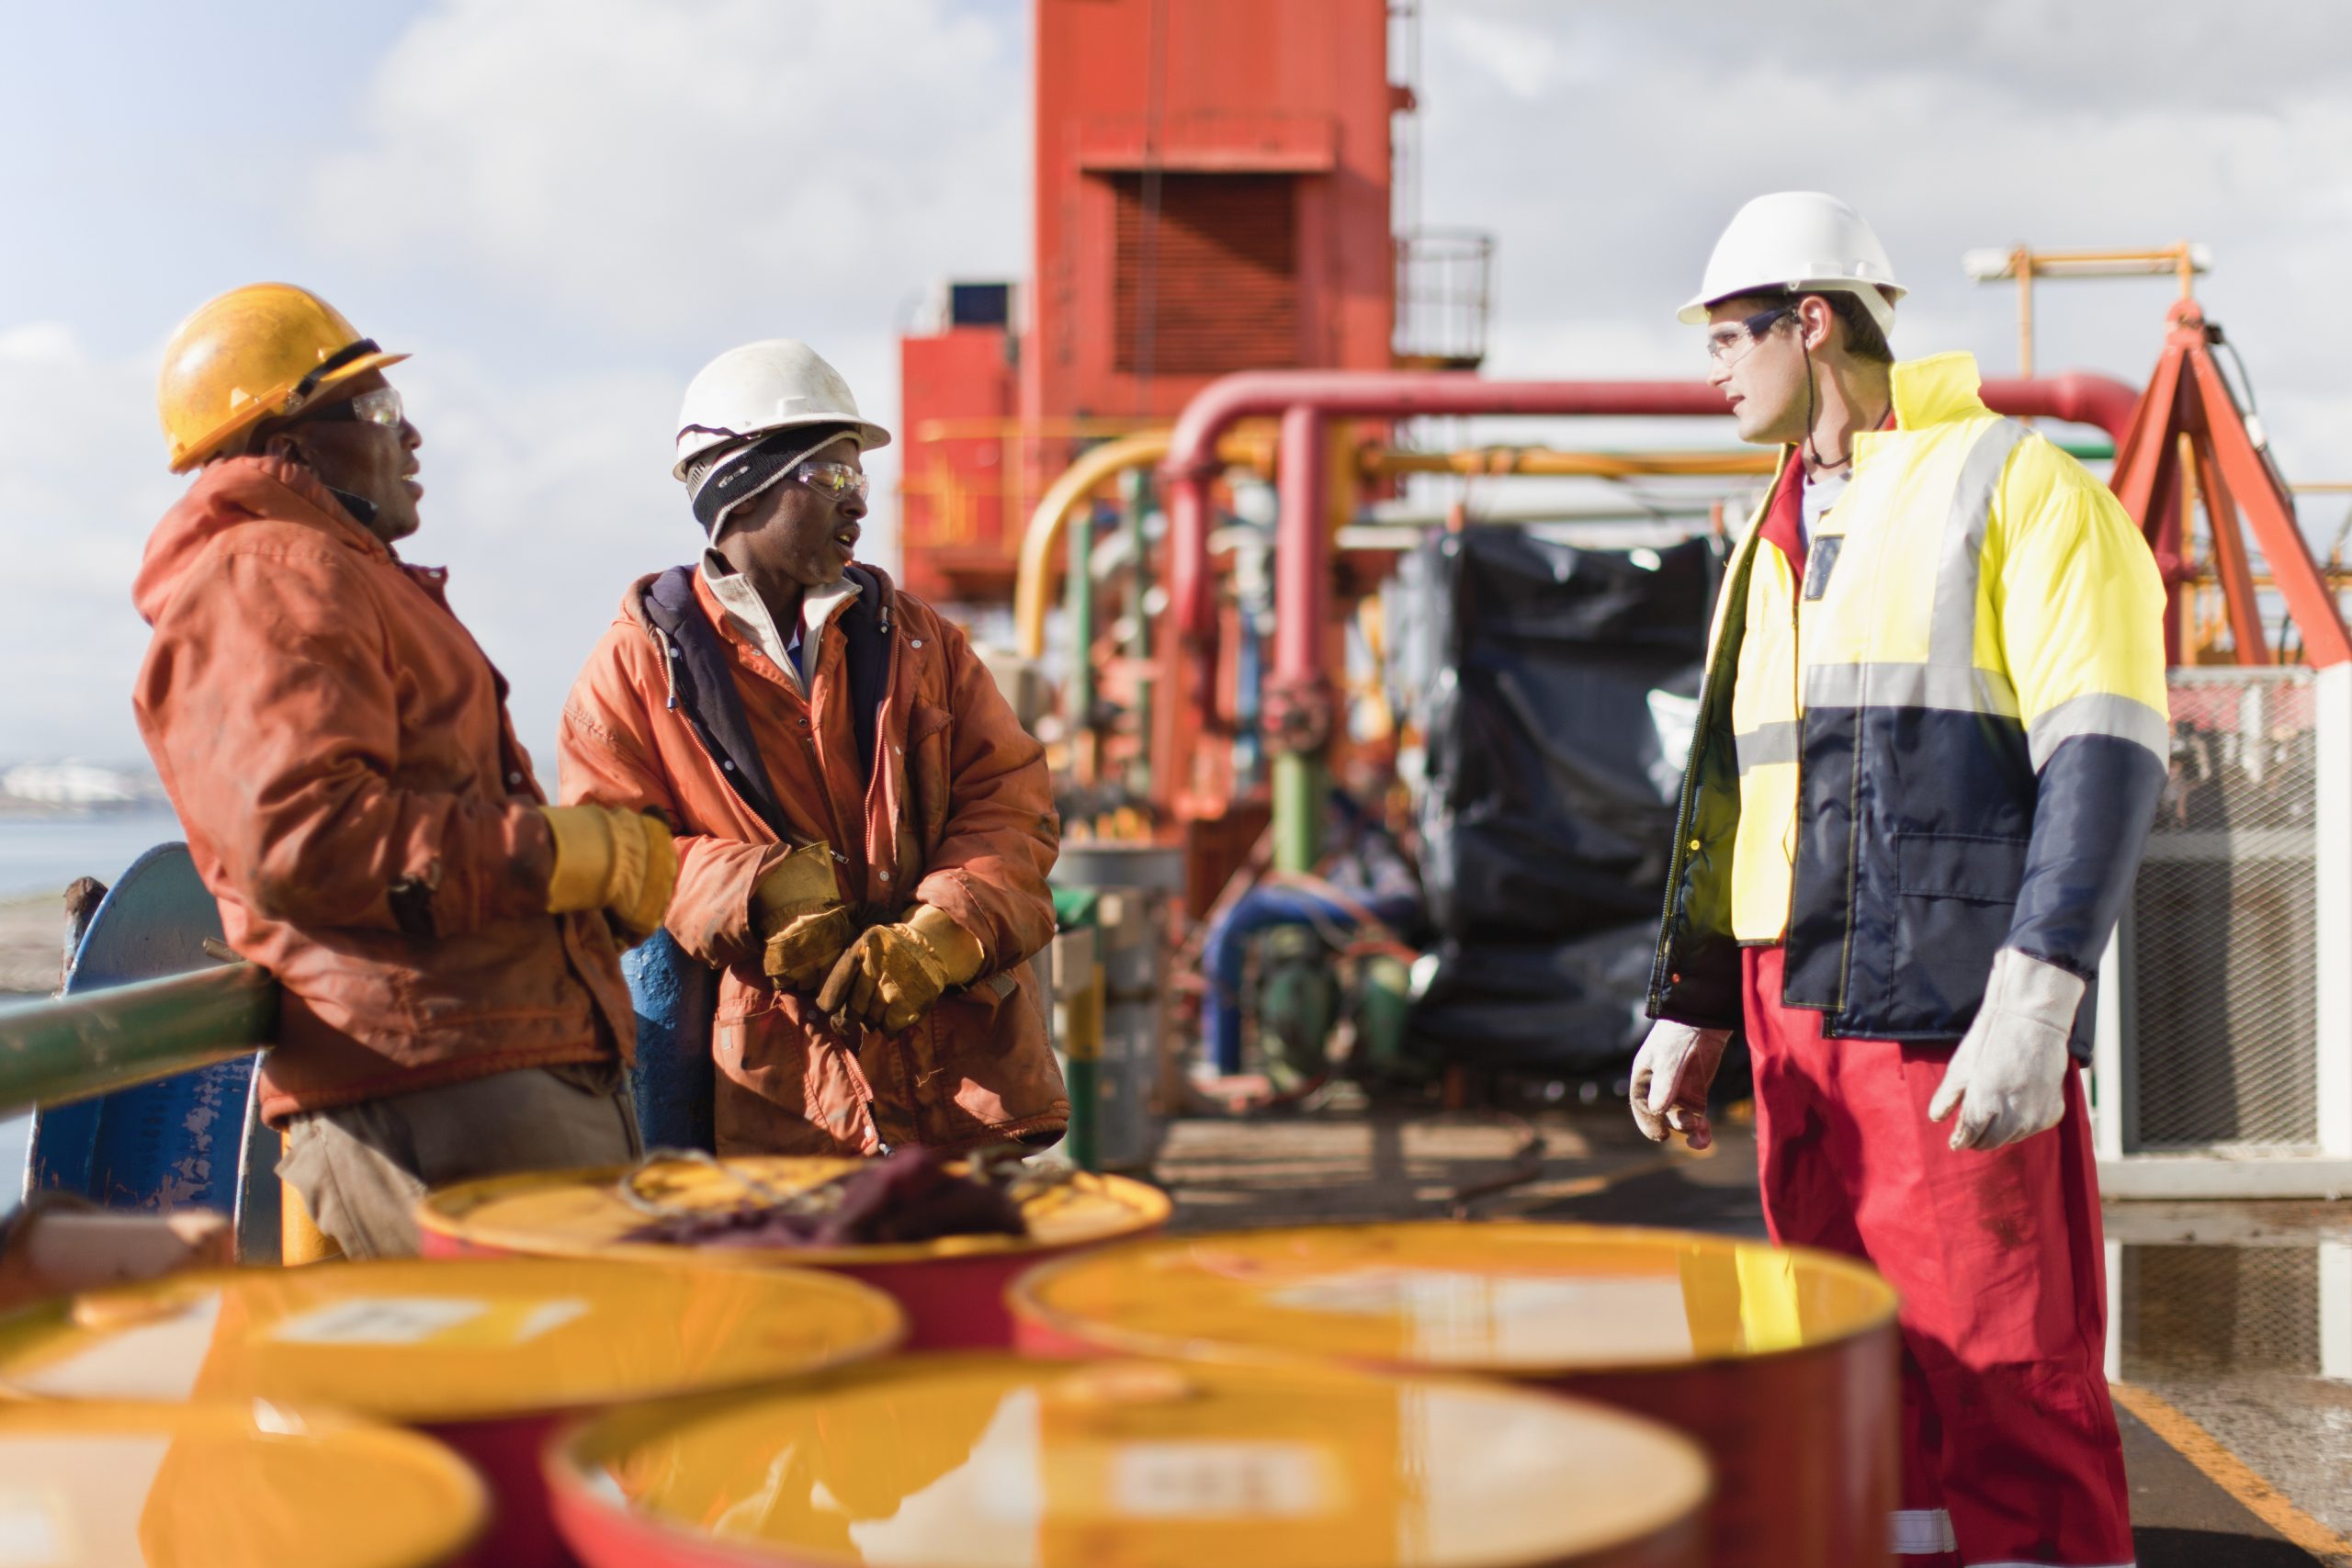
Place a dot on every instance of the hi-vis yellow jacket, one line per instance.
(1947, 740)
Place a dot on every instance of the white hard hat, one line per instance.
(1804, 241)
(776, 383)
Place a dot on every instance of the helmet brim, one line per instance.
(259, 409)
(870, 436)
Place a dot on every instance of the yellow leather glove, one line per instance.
(802, 922)
(889, 977)
(620, 862)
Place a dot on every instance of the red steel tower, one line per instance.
(1211, 195)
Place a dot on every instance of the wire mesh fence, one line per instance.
(2223, 932)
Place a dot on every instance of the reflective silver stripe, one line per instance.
(1767, 744)
(1963, 689)
(2099, 713)
(1919, 1532)
(1951, 633)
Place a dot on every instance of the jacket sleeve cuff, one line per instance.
(950, 894)
(710, 914)
(512, 855)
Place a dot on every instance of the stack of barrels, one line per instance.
(543, 1391)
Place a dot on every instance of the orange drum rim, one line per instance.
(450, 1211)
(575, 1483)
(35, 1341)
(1022, 1300)
(369, 1444)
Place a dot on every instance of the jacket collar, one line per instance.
(1939, 390)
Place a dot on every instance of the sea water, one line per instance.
(42, 853)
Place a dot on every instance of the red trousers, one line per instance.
(2010, 1452)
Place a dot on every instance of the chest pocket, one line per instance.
(928, 732)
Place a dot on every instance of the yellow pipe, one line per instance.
(1041, 554)
(1033, 585)
(1545, 460)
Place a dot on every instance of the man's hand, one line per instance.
(620, 862)
(800, 919)
(2009, 1077)
(891, 976)
(1671, 1073)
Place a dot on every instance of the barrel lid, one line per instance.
(225, 1485)
(466, 1339)
(989, 1461)
(583, 1214)
(1521, 1299)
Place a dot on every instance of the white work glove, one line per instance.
(1672, 1072)
(2009, 1077)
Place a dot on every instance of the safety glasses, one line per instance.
(381, 406)
(832, 480)
(1728, 342)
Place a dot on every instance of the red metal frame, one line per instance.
(2189, 405)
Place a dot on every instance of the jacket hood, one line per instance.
(230, 495)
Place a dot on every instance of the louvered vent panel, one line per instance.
(1216, 287)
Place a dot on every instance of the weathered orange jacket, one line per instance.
(958, 814)
(338, 750)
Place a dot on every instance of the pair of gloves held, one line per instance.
(2008, 1079)
(886, 977)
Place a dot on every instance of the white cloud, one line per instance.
(563, 206)
(676, 171)
(81, 480)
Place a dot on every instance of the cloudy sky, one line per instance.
(563, 207)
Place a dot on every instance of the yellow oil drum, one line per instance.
(985, 1460)
(1781, 1363)
(484, 1355)
(952, 1289)
(99, 1485)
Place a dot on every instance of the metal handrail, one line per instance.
(78, 1047)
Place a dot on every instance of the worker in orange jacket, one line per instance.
(339, 752)
(864, 826)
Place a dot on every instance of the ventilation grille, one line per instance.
(2224, 1007)
(1213, 285)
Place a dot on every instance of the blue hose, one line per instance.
(1261, 908)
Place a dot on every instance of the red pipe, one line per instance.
(2077, 397)
(1301, 555)
(1406, 394)
(1360, 394)
(1307, 400)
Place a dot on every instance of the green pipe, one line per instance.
(1085, 1105)
(52, 1053)
(1078, 590)
(1136, 495)
(1298, 811)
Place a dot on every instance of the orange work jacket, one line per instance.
(957, 813)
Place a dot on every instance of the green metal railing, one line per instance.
(53, 1053)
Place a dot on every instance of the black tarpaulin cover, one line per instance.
(1557, 709)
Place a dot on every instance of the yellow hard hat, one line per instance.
(256, 352)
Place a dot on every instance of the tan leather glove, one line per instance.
(889, 977)
(798, 911)
(620, 862)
